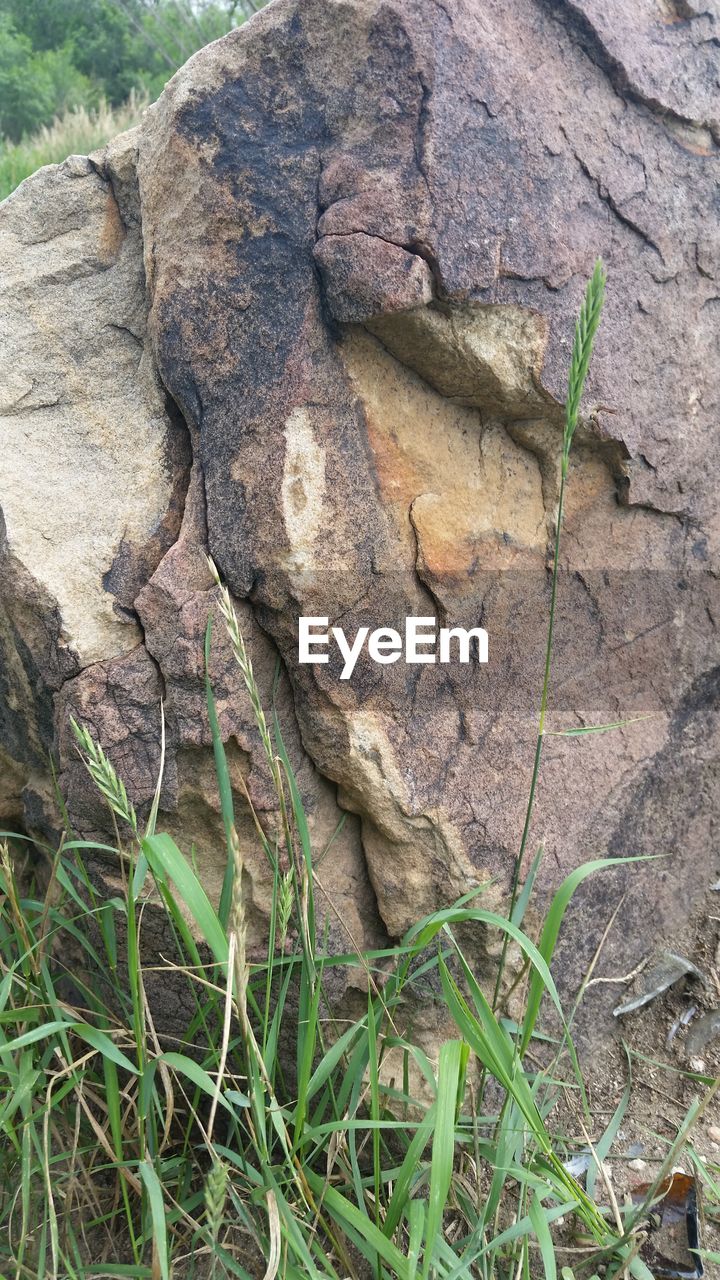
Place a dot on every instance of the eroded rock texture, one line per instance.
(366, 227)
(92, 467)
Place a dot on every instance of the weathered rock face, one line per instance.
(366, 227)
(92, 467)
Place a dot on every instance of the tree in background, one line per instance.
(59, 54)
(35, 86)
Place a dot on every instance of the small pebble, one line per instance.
(697, 1064)
(638, 1165)
(607, 1170)
(714, 1133)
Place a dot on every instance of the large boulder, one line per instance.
(365, 228)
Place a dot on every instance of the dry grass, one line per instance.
(76, 133)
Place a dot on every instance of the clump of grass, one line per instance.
(77, 132)
(121, 1156)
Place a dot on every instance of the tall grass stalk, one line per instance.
(585, 331)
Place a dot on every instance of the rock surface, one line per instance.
(365, 228)
(93, 466)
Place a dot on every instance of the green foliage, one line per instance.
(35, 86)
(60, 54)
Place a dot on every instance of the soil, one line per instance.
(665, 1083)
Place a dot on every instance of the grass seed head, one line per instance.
(232, 626)
(103, 774)
(215, 1198)
(585, 331)
(285, 906)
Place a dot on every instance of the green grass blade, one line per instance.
(168, 863)
(428, 928)
(399, 1203)
(157, 1213)
(443, 1149)
(201, 1078)
(525, 894)
(44, 1032)
(544, 1238)
(222, 774)
(104, 1045)
(331, 1060)
(374, 1082)
(369, 1239)
(581, 730)
(416, 1230)
(307, 1047)
(549, 937)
